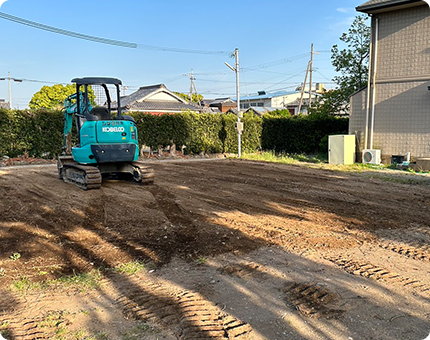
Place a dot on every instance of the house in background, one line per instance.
(393, 113)
(156, 99)
(220, 104)
(279, 100)
(4, 104)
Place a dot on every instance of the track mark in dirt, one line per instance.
(188, 313)
(415, 252)
(241, 270)
(368, 270)
(40, 327)
(413, 244)
(313, 300)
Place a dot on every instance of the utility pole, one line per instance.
(308, 71)
(10, 91)
(10, 87)
(303, 88)
(193, 88)
(239, 124)
(310, 75)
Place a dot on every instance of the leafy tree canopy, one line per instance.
(351, 63)
(52, 97)
(279, 113)
(196, 98)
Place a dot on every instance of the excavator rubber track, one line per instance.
(85, 177)
(142, 173)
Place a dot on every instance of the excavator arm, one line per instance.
(70, 110)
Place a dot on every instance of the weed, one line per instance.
(201, 260)
(25, 285)
(82, 281)
(130, 267)
(15, 256)
(85, 312)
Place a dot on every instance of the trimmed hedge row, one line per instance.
(200, 133)
(301, 134)
(39, 133)
(36, 133)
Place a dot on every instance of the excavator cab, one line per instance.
(107, 143)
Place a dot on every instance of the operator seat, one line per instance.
(99, 113)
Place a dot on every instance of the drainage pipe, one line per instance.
(372, 122)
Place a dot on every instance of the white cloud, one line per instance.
(348, 10)
(2, 2)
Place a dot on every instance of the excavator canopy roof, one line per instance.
(96, 81)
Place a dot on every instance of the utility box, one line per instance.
(341, 149)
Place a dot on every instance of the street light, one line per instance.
(239, 124)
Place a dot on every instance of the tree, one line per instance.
(284, 113)
(352, 64)
(196, 98)
(52, 97)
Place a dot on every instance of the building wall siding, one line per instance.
(357, 118)
(402, 119)
(403, 49)
(402, 98)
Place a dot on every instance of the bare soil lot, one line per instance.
(232, 250)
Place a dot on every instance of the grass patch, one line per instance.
(130, 267)
(283, 158)
(81, 281)
(25, 285)
(388, 173)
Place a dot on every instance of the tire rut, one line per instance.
(313, 300)
(187, 313)
(377, 273)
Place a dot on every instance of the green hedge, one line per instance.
(39, 133)
(300, 134)
(200, 133)
(36, 133)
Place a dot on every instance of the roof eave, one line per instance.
(389, 6)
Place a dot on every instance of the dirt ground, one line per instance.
(232, 250)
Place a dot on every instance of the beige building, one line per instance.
(280, 100)
(393, 113)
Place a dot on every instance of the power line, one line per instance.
(103, 40)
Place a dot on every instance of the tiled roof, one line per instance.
(139, 94)
(373, 5)
(141, 101)
(149, 105)
(219, 101)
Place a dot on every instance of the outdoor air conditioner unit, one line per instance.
(371, 156)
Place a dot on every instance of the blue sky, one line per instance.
(273, 37)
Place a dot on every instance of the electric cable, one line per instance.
(103, 40)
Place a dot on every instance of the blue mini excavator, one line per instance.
(107, 146)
